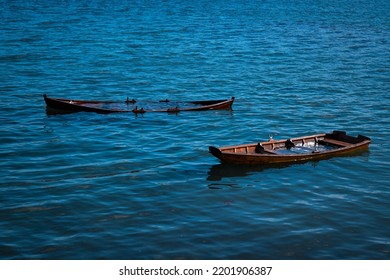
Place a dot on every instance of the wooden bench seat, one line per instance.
(335, 142)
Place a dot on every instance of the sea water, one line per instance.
(125, 186)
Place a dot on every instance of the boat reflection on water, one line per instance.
(224, 170)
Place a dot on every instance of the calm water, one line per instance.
(90, 186)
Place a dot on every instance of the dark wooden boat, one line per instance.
(294, 150)
(131, 105)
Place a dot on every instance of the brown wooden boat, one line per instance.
(294, 150)
(133, 106)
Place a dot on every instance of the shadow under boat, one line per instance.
(226, 170)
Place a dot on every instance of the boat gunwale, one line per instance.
(275, 154)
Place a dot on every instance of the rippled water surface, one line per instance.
(121, 186)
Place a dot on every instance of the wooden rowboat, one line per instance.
(130, 105)
(294, 150)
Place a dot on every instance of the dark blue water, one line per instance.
(90, 186)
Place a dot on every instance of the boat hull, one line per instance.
(106, 107)
(275, 152)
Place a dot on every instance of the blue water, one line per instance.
(121, 186)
